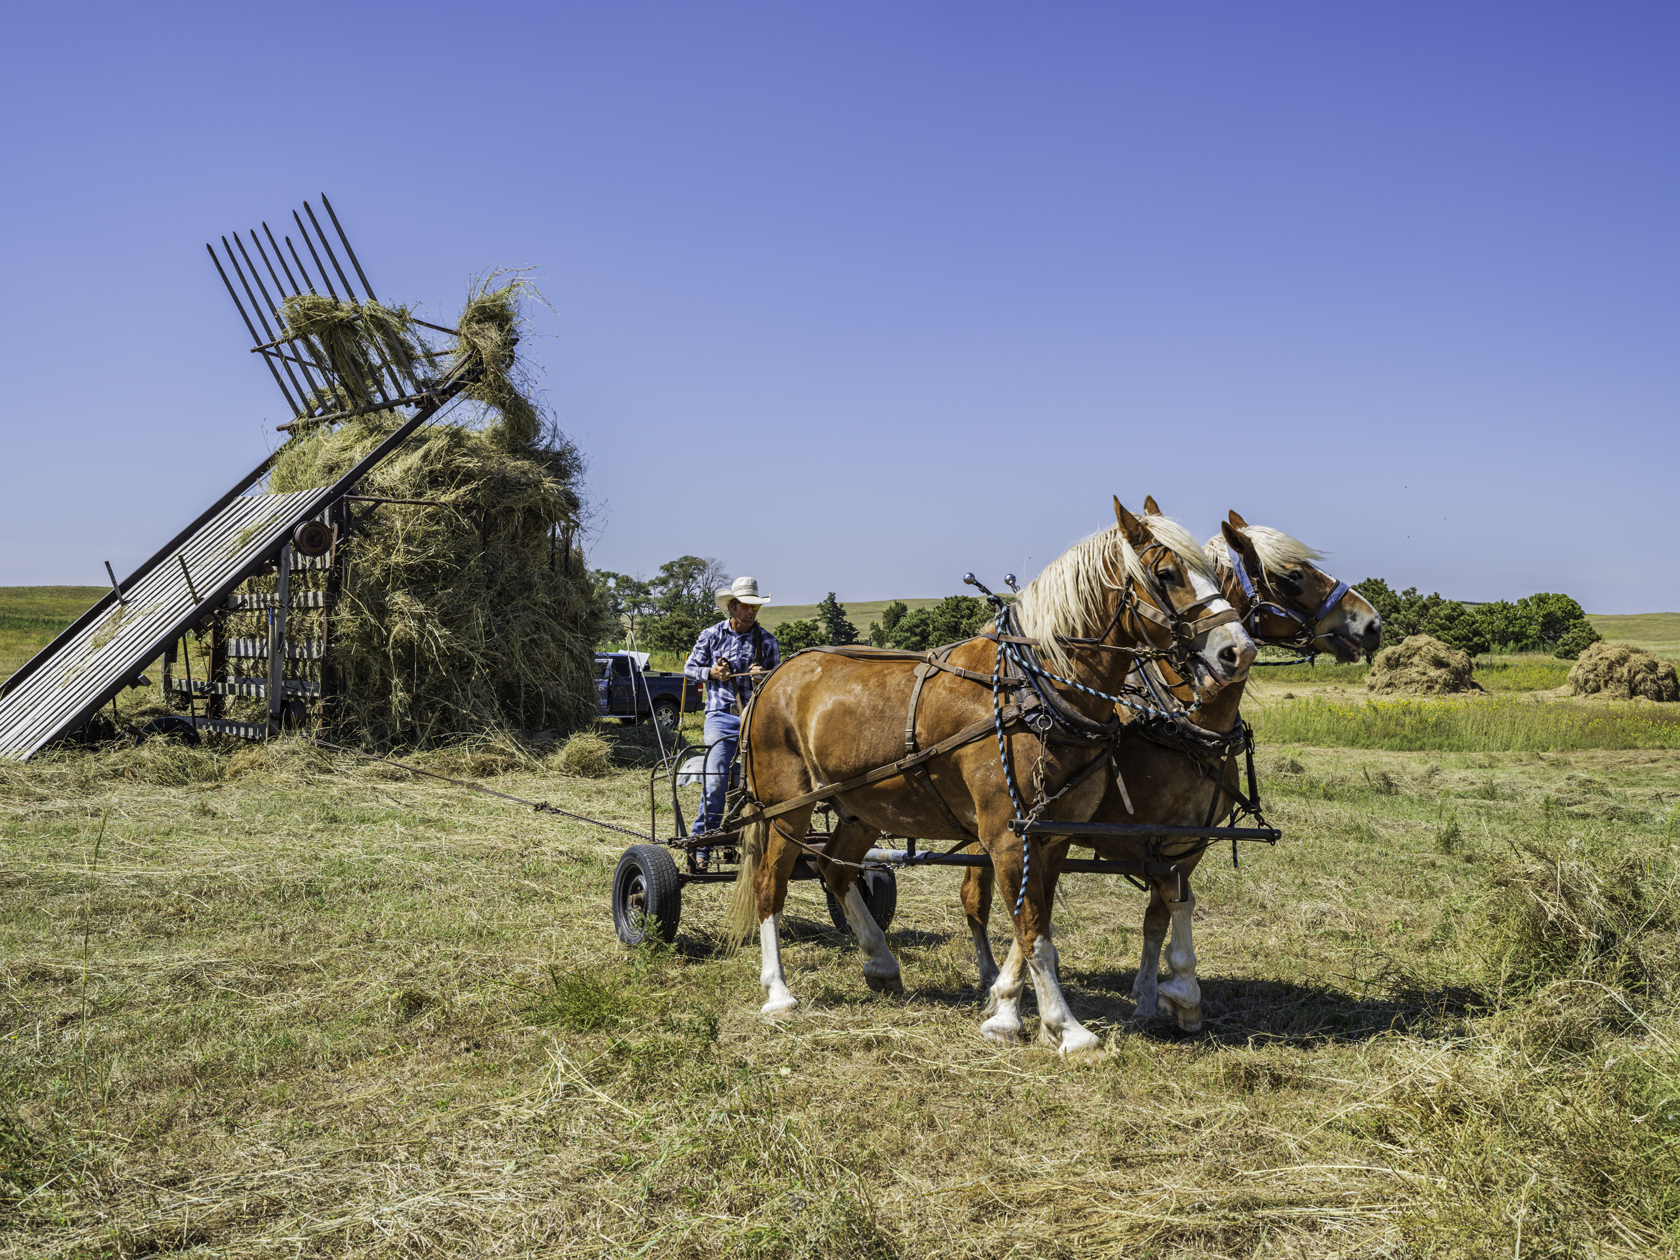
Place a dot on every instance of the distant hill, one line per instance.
(1655, 632)
(860, 614)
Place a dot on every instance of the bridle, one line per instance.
(1306, 625)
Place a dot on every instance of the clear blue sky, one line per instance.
(860, 296)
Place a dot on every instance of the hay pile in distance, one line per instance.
(1423, 665)
(1620, 671)
(478, 615)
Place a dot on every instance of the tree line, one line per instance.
(1545, 622)
(667, 612)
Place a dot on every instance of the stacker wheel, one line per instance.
(880, 894)
(646, 895)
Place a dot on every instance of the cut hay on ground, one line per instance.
(1421, 665)
(1620, 671)
(476, 615)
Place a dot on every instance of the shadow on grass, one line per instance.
(1238, 1012)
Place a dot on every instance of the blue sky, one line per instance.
(858, 297)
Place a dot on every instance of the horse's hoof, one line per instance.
(1004, 1033)
(885, 984)
(1189, 1018)
(1083, 1039)
(779, 1006)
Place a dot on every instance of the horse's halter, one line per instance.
(1181, 622)
(1306, 624)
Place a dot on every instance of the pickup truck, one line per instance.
(627, 689)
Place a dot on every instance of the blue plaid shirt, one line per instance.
(721, 643)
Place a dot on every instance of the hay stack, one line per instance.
(474, 616)
(1424, 665)
(1619, 671)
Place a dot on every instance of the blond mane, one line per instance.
(1276, 549)
(1066, 598)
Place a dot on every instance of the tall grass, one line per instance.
(1461, 724)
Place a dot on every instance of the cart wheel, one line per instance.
(667, 713)
(646, 895)
(880, 894)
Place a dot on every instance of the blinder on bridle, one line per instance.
(1306, 626)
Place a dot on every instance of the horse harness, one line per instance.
(1306, 626)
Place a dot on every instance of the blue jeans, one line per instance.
(723, 733)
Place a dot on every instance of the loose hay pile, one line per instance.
(1421, 664)
(1619, 671)
(473, 616)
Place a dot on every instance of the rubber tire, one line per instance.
(646, 880)
(880, 894)
(177, 730)
(667, 713)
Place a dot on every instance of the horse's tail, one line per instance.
(740, 920)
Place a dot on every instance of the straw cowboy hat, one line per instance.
(744, 589)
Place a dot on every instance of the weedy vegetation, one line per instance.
(271, 1001)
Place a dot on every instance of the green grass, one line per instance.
(290, 1003)
(1658, 633)
(1464, 724)
(31, 616)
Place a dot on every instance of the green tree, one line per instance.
(951, 620)
(836, 627)
(1550, 617)
(880, 632)
(623, 599)
(1575, 640)
(795, 636)
(1457, 626)
(683, 601)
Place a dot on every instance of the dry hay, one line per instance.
(587, 755)
(1621, 671)
(1422, 664)
(471, 617)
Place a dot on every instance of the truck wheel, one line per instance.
(667, 713)
(646, 895)
(880, 894)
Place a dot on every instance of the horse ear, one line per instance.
(1150, 506)
(1137, 533)
(1241, 543)
(1237, 520)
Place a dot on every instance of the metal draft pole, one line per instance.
(277, 638)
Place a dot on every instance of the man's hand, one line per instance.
(757, 671)
(720, 670)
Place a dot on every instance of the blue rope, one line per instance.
(1008, 770)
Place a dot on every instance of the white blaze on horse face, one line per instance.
(1226, 651)
(1350, 629)
(779, 997)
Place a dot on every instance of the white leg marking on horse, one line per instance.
(1057, 1026)
(983, 957)
(880, 968)
(779, 998)
(1180, 996)
(1003, 1001)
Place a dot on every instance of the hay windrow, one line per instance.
(476, 615)
(1423, 665)
(1621, 671)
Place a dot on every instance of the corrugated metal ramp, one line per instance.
(67, 681)
(110, 644)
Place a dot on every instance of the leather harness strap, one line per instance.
(968, 735)
(918, 774)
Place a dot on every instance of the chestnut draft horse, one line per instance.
(954, 744)
(1177, 775)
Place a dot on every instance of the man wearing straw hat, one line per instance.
(729, 657)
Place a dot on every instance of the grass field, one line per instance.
(1658, 633)
(859, 614)
(263, 1002)
(31, 615)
